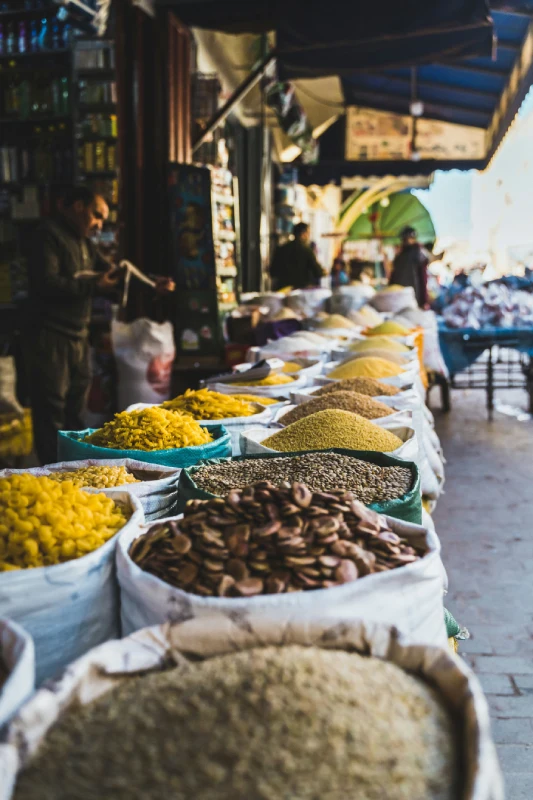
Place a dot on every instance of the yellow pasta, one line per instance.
(204, 404)
(149, 429)
(96, 477)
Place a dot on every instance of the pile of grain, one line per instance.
(348, 401)
(366, 367)
(333, 321)
(381, 342)
(333, 428)
(369, 386)
(389, 328)
(379, 352)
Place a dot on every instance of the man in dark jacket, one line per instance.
(410, 266)
(294, 264)
(62, 281)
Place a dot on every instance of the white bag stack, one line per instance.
(144, 352)
(18, 657)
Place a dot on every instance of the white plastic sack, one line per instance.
(410, 597)
(156, 490)
(154, 648)
(18, 657)
(68, 608)
(251, 442)
(307, 301)
(144, 353)
(394, 302)
(8, 382)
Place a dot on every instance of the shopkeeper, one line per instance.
(294, 264)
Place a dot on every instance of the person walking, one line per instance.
(295, 264)
(410, 267)
(339, 276)
(61, 282)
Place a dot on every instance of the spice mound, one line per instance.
(96, 477)
(274, 379)
(269, 540)
(367, 368)
(261, 724)
(43, 522)
(368, 386)
(335, 321)
(333, 428)
(150, 429)
(322, 472)
(389, 328)
(348, 401)
(204, 404)
(382, 342)
(379, 352)
(291, 366)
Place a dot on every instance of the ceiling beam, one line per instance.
(423, 84)
(400, 105)
(460, 66)
(507, 44)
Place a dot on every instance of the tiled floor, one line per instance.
(485, 522)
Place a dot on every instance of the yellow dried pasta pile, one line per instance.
(204, 404)
(150, 429)
(96, 477)
(44, 522)
(256, 398)
(274, 379)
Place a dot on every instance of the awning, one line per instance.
(386, 223)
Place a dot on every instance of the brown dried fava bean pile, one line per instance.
(272, 723)
(347, 401)
(268, 540)
(321, 472)
(370, 386)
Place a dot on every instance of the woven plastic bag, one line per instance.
(69, 608)
(18, 657)
(72, 447)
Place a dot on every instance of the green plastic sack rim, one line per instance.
(407, 508)
(218, 432)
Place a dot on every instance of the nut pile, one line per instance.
(96, 477)
(348, 401)
(268, 540)
(270, 723)
(321, 472)
(368, 386)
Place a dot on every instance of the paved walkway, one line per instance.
(485, 522)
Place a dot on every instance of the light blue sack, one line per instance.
(71, 447)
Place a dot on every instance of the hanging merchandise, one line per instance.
(293, 119)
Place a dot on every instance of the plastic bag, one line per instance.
(156, 489)
(144, 353)
(307, 301)
(18, 657)
(407, 508)
(395, 302)
(410, 597)
(69, 608)
(71, 447)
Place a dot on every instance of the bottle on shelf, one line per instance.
(57, 39)
(2, 41)
(68, 35)
(23, 42)
(34, 37)
(65, 96)
(44, 35)
(11, 39)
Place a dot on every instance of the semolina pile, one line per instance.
(348, 401)
(204, 404)
(274, 379)
(291, 366)
(95, 477)
(256, 398)
(389, 328)
(377, 352)
(335, 321)
(368, 367)
(150, 429)
(368, 386)
(333, 428)
(381, 342)
(44, 522)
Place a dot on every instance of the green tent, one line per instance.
(404, 209)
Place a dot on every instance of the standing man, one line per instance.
(60, 309)
(294, 264)
(410, 267)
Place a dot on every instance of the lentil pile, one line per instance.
(348, 401)
(368, 386)
(366, 368)
(272, 723)
(389, 328)
(150, 429)
(96, 477)
(43, 522)
(321, 472)
(274, 379)
(383, 342)
(335, 321)
(378, 352)
(333, 428)
(265, 539)
(203, 404)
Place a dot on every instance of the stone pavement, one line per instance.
(485, 522)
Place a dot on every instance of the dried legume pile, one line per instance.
(321, 472)
(203, 404)
(273, 723)
(43, 522)
(333, 428)
(368, 386)
(383, 342)
(349, 401)
(274, 379)
(96, 477)
(152, 428)
(367, 368)
(265, 539)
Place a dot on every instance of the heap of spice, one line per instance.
(367, 367)
(43, 522)
(265, 539)
(333, 428)
(151, 428)
(335, 321)
(348, 401)
(291, 366)
(269, 723)
(382, 342)
(378, 352)
(368, 386)
(389, 328)
(204, 404)
(96, 477)
(321, 472)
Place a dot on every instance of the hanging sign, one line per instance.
(377, 135)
